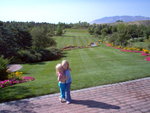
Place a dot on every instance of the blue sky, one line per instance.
(54, 11)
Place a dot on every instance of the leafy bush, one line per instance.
(12, 39)
(41, 38)
(15, 76)
(28, 56)
(123, 34)
(3, 68)
(114, 38)
(50, 54)
(37, 55)
(141, 45)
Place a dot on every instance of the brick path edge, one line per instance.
(84, 89)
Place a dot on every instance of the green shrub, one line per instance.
(26, 56)
(57, 53)
(50, 54)
(38, 55)
(3, 68)
(141, 45)
(15, 76)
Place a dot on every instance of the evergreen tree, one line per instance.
(41, 38)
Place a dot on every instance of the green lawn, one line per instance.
(90, 67)
(74, 37)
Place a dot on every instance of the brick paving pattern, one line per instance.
(126, 97)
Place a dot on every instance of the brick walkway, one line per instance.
(126, 97)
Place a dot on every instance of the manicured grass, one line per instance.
(90, 67)
(75, 37)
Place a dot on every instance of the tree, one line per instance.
(119, 21)
(3, 68)
(41, 38)
(147, 32)
(104, 31)
(59, 30)
(12, 39)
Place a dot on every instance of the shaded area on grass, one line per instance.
(13, 92)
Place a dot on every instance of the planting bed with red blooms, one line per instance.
(147, 58)
(12, 82)
(134, 50)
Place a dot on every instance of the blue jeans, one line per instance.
(68, 96)
(62, 87)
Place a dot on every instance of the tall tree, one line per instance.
(13, 39)
(41, 38)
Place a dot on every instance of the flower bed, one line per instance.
(12, 82)
(131, 51)
(27, 78)
(108, 44)
(74, 47)
(144, 52)
(92, 44)
(147, 58)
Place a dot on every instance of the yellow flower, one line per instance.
(146, 51)
(18, 73)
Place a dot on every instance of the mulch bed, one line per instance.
(74, 47)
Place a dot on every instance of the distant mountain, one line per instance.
(122, 18)
(141, 22)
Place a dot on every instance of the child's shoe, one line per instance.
(62, 100)
(68, 102)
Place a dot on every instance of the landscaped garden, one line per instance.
(91, 66)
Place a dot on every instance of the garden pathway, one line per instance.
(126, 97)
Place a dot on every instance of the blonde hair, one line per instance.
(58, 68)
(64, 63)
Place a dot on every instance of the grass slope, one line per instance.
(76, 37)
(90, 67)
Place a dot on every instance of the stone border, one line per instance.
(14, 67)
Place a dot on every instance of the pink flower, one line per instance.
(28, 78)
(11, 82)
(131, 51)
(145, 54)
(147, 58)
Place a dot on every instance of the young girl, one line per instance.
(65, 65)
(61, 81)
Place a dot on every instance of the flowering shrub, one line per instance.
(145, 54)
(146, 51)
(5, 83)
(11, 82)
(147, 58)
(109, 44)
(27, 78)
(15, 76)
(97, 43)
(131, 51)
(8, 83)
(131, 48)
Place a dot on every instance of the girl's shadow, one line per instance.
(95, 104)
